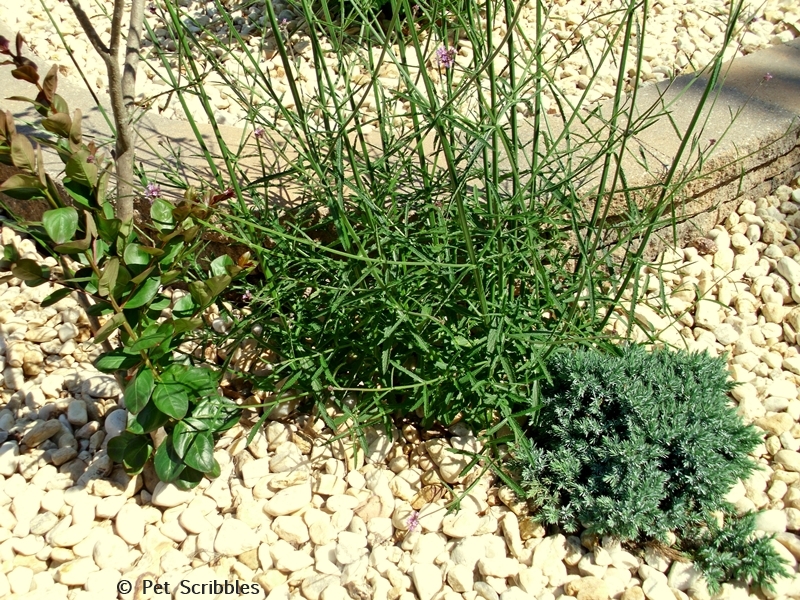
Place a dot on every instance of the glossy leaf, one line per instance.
(171, 399)
(22, 153)
(200, 453)
(116, 360)
(134, 254)
(116, 321)
(161, 213)
(188, 479)
(22, 187)
(60, 224)
(139, 391)
(78, 192)
(185, 306)
(108, 279)
(118, 444)
(137, 453)
(55, 297)
(59, 123)
(108, 229)
(145, 342)
(220, 265)
(166, 461)
(144, 293)
(80, 170)
(147, 420)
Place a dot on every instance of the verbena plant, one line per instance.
(433, 265)
(640, 444)
(173, 404)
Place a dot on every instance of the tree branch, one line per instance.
(132, 54)
(88, 28)
(116, 30)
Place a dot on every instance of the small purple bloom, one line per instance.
(259, 133)
(768, 76)
(446, 56)
(247, 296)
(412, 522)
(90, 159)
(152, 8)
(152, 191)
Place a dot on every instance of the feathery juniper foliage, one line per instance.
(732, 552)
(639, 444)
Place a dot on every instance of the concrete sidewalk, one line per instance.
(749, 156)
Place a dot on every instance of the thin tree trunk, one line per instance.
(122, 91)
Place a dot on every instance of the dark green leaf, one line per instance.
(171, 399)
(109, 327)
(146, 292)
(146, 342)
(77, 191)
(118, 444)
(116, 360)
(200, 454)
(99, 309)
(167, 463)
(139, 390)
(137, 454)
(188, 479)
(108, 229)
(143, 275)
(56, 296)
(147, 420)
(172, 250)
(183, 434)
(182, 325)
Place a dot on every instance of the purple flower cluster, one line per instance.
(412, 522)
(446, 56)
(152, 191)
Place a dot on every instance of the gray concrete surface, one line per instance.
(752, 153)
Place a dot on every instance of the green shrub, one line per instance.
(434, 266)
(123, 269)
(638, 444)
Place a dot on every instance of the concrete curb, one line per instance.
(755, 154)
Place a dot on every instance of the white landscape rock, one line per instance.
(427, 580)
(234, 538)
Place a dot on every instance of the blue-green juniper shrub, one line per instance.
(638, 444)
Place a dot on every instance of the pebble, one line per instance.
(234, 538)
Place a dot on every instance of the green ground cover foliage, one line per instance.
(638, 444)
